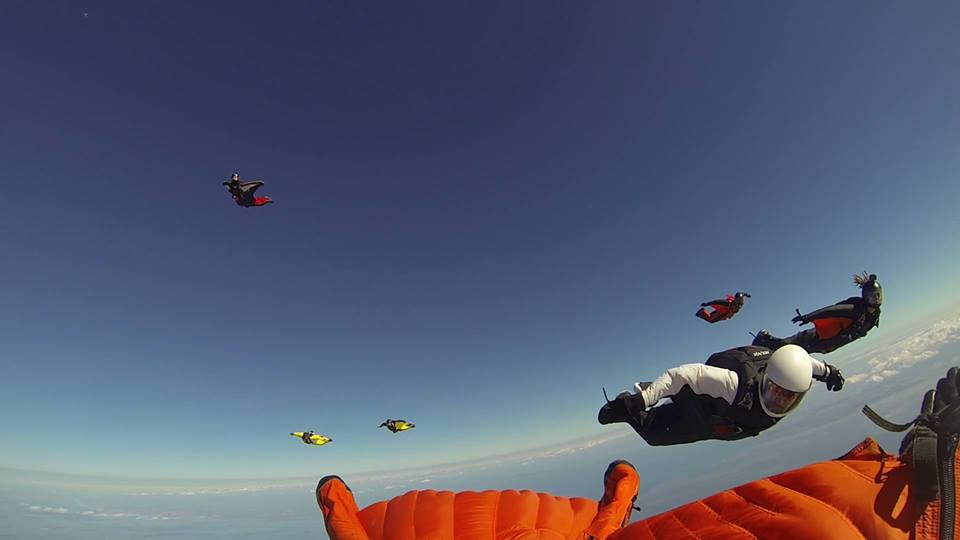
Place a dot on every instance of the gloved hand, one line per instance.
(833, 378)
(799, 319)
(947, 399)
(705, 304)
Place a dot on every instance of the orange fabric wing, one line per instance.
(339, 510)
(864, 494)
(471, 515)
(828, 328)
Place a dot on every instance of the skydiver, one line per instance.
(397, 425)
(738, 393)
(243, 192)
(836, 325)
(311, 438)
(722, 309)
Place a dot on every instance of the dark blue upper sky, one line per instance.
(483, 213)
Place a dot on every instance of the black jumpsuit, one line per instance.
(692, 417)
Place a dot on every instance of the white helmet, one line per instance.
(786, 380)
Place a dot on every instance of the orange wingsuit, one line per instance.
(865, 494)
(486, 515)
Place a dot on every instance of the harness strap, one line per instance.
(926, 468)
(922, 443)
(886, 424)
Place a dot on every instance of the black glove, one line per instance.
(705, 304)
(799, 319)
(833, 378)
(947, 399)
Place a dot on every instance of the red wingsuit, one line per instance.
(722, 309)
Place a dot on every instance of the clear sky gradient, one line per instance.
(484, 213)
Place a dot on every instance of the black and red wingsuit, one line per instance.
(835, 326)
(243, 193)
(722, 309)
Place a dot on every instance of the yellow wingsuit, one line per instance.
(397, 426)
(315, 439)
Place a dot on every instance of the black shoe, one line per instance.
(623, 408)
(762, 339)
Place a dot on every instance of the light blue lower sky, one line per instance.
(892, 378)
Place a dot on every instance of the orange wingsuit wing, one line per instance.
(863, 495)
(828, 328)
(719, 313)
(485, 515)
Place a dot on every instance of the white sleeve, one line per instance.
(701, 378)
(819, 368)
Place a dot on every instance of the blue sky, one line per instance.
(483, 215)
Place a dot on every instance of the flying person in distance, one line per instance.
(722, 309)
(309, 437)
(397, 426)
(243, 193)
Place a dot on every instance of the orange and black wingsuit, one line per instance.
(722, 309)
(836, 325)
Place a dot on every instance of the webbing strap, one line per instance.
(886, 424)
(923, 449)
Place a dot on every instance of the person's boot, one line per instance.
(763, 339)
(623, 408)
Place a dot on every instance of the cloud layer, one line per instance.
(909, 351)
(95, 514)
(49, 509)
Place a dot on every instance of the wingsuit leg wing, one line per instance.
(719, 313)
(704, 314)
(246, 194)
(250, 187)
(808, 339)
(522, 515)
(674, 423)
